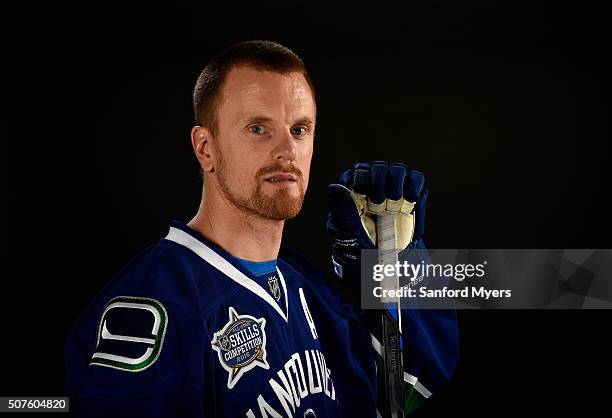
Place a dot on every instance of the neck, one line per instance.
(241, 234)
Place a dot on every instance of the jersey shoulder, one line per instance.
(148, 320)
(320, 283)
(303, 266)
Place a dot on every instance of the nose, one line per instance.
(285, 150)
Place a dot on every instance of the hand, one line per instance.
(368, 190)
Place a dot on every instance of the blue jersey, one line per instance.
(187, 330)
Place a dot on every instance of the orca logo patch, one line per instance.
(241, 345)
(274, 287)
(130, 333)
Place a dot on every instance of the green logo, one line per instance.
(130, 333)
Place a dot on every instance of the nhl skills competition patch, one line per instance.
(241, 345)
(130, 333)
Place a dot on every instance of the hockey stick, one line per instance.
(391, 320)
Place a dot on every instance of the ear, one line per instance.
(202, 147)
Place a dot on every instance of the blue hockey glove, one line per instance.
(361, 194)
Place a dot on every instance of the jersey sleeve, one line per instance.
(139, 350)
(431, 352)
(430, 343)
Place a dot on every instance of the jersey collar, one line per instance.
(223, 261)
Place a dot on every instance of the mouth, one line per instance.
(281, 178)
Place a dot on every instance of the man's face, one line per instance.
(264, 144)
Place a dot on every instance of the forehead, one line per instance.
(247, 89)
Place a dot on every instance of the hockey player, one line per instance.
(217, 319)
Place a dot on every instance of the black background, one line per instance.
(503, 105)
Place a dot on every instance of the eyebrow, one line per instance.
(255, 118)
(304, 121)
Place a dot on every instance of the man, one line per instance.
(216, 319)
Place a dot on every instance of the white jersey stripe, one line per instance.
(225, 267)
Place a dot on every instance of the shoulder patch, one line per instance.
(130, 333)
(241, 345)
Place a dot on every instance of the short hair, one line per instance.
(259, 55)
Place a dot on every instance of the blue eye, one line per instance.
(298, 131)
(256, 129)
